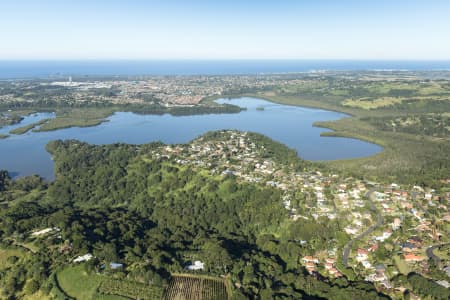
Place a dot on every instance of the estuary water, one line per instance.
(25, 154)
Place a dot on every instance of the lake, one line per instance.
(291, 125)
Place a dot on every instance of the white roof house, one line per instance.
(44, 231)
(82, 258)
(198, 265)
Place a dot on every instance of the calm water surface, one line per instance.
(45, 69)
(25, 154)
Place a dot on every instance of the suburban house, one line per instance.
(410, 257)
(82, 258)
(115, 266)
(307, 259)
(362, 255)
(198, 265)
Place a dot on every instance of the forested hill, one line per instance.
(155, 208)
(124, 174)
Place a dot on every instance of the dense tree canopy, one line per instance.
(121, 205)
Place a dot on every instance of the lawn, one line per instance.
(401, 265)
(77, 283)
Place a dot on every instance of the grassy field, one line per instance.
(378, 103)
(76, 283)
(401, 265)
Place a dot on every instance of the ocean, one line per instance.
(56, 69)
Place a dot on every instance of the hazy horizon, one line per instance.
(49, 68)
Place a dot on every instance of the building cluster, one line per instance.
(391, 226)
(162, 90)
(312, 264)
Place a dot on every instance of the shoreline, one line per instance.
(293, 144)
(390, 163)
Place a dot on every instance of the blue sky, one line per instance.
(233, 29)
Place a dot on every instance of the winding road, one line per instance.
(380, 220)
(433, 256)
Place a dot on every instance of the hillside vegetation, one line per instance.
(128, 204)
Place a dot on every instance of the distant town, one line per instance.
(186, 90)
